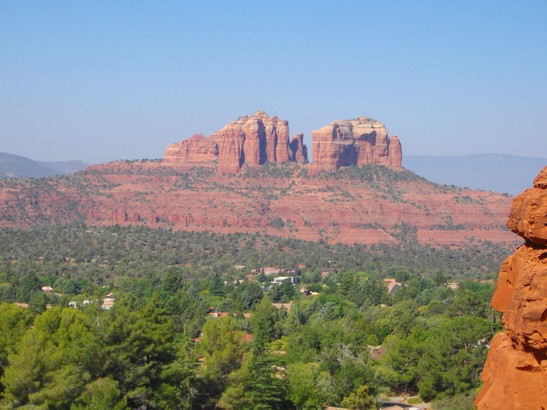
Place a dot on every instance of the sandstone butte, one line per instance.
(515, 372)
(223, 183)
(359, 142)
(249, 140)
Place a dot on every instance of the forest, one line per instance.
(204, 321)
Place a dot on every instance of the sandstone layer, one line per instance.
(515, 372)
(362, 141)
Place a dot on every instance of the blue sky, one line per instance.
(105, 80)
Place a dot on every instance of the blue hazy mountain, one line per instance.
(492, 172)
(15, 166)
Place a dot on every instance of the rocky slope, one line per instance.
(515, 372)
(367, 205)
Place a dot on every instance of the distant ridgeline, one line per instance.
(493, 172)
(16, 166)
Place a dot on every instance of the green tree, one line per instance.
(14, 322)
(53, 361)
(360, 400)
(100, 394)
(263, 389)
(222, 345)
(454, 357)
(263, 323)
(302, 385)
(139, 347)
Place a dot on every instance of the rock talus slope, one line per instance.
(515, 372)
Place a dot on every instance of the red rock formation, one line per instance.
(195, 150)
(515, 372)
(336, 210)
(299, 151)
(252, 140)
(362, 141)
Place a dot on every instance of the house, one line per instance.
(286, 306)
(108, 302)
(292, 279)
(271, 271)
(326, 271)
(47, 289)
(218, 314)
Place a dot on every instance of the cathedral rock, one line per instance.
(515, 372)
(257, 139)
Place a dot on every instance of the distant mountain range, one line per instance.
(492, 172)
(15, 166)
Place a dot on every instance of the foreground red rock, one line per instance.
(515, 372)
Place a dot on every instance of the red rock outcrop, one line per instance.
(299, 151)
(195, 150)
(515, 372)
(252, 140)
(334, 208)
(362, 141)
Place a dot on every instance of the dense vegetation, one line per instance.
(193, 327)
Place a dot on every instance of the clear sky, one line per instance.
(104, 80)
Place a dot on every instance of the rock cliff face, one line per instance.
(252, 140)
(196, 150)
(299, 151)
(362, 141)
(257, 139)
(515, 372)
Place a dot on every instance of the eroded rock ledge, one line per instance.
(515, 372)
